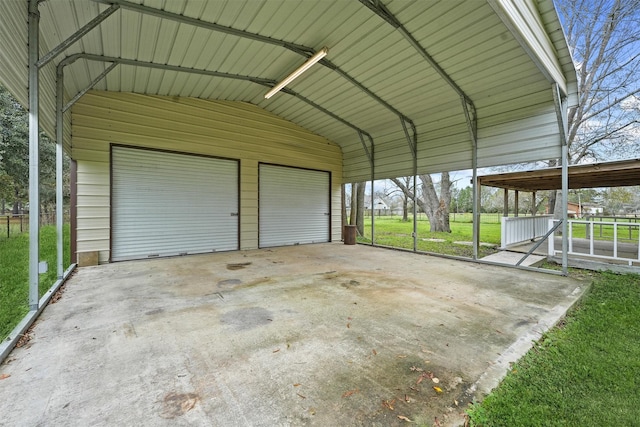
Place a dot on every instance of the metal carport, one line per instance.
(407, 87)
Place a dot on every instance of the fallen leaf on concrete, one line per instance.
(297, 385)
(403, 418)
(304, 397)
(388, 404)
(435, 380)
(24, 339)
(437, 389)
(401, 356)
(4, 376)
(348, 325)
(374, 352)
(414, 368)
(56, 297)
(424, 376)
(436, 423)
(350, 392)
(277, 350)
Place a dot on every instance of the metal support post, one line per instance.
(476, 211)
(471, 118)
(59, 166)
(561, 113)
(415, 210)
(373, 217)
(373, 177)
(34, 156)
(516, 203)
(565, 212)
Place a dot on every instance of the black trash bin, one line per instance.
(349, 234)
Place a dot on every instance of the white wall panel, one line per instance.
(212, 128)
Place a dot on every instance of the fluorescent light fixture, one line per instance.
(301, 69)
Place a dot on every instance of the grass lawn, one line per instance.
(14, 274)
(392, 231)
(585, 372)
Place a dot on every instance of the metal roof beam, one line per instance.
(305, 51)
(77, 36)
(381, 10)
(258, 80)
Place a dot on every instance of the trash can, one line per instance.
(349, 234)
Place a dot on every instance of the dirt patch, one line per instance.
(177, 404)
(247, 318)
(238, 266)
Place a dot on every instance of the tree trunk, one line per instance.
(354, 205)
(437, 208)
(555, 205)
(405, 208)
(360, 204)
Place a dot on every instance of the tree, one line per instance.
(404, 198)
(360, 187)
(356, 216)
(433, 203)
(462, 199)
(605, 42)
(14, 146)
(14, 157)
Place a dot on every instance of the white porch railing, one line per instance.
(522, 228)
(620, 241)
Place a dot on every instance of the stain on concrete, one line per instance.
(238, 266)
(129, 330)
(247, 318)
(521, 322)
(350, 284)
(229, 283)
(177, 404)
(154, 311)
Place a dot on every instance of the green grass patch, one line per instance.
(392, 231)
(14, 274)
(585, 372)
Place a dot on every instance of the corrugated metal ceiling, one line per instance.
(468, 39)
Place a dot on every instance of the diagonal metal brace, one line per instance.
(77, 35)
(537, 245)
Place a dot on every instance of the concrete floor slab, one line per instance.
(323, 335)
(512, 258)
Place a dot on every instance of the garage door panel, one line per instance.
(168, 204)
(294, 206)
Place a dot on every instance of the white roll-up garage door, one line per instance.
(166, 204)
(294, 206)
